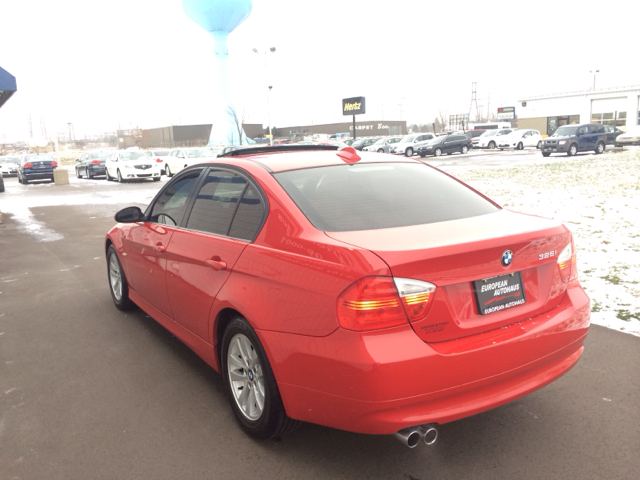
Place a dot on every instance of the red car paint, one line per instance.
(449, 365)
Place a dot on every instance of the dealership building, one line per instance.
(618, 107)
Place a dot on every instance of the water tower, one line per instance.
(220, 18)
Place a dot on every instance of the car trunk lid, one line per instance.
(461, 256)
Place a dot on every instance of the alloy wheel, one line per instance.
(115, 277)
(246, 377)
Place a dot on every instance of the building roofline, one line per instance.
(582, 93)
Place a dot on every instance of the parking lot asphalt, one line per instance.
(87, 391)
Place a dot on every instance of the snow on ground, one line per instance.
(598, 198)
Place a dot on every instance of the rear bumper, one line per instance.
(39, 175)
(381, 382)
(97, 170)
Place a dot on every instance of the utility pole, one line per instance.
(474, 99)
(72, 133)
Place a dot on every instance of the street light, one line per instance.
(272, 50)
(594, 72)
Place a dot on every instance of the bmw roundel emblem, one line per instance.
(507, 257)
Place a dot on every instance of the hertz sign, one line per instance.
(353, 106)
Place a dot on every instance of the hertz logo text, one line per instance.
(352, 106)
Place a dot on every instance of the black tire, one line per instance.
(78, 174)
(422, 155)
(464, 149)
(156, 179)
(600, 148)
(380, 150)
(109, 177)
(545, 154)
(272, 421)
(539, 145)
(25, 180)
(520, 146)
(89, 176)
(573, 149)
(437, 152)
(121, 298)
(492, 145)
(19, 179)
(167, 170)
(409, 152)
(120, 180)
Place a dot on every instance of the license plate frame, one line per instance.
(499, 293)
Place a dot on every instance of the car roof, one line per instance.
(282, 159)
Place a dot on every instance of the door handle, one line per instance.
(160, 248)
(216, 263)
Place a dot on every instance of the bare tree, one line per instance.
(238, 121)
(442, 118)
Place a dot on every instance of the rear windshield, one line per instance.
(39, 158)
(100, 155)
(345, 198)
(160, 153)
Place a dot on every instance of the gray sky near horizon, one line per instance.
(144, 63)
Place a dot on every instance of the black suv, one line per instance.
(445, 144)
(571, 139)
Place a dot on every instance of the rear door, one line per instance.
(224, 218)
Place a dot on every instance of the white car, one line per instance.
(159, 155)
(520, 139)
(408, 143)
(181, 158)
(382, 145)
(632, 137)
(123, 165)
(490, 138)
(9, 165)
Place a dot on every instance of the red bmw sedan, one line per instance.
(355, 290)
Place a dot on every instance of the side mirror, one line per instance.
(129, 215)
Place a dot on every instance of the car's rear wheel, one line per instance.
(89, 175)
(78, 174)
(437, 152)
(109, 177)
(545, 154)
(117, 281)
(492, 145)
(600, 148)
(250, 384)
(167, 170)
(573, 149)
(25, 180)
(520, 146)
(119, 176)
(409, 152)
(380, 150)
(539, 145)
(465, 149)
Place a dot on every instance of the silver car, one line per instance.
(382, 145)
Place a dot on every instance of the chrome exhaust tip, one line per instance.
(409, 436)
(429, 433)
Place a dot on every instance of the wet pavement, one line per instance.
(87, 391)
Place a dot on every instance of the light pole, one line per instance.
(272, 50)
(594, 72)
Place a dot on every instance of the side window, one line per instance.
(582, 130)
(217, 202)
(172, 202)
(248, 218)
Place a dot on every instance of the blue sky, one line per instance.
(145, 63)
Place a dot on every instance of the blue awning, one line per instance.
(7, 86)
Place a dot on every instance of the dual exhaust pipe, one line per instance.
(411, 436)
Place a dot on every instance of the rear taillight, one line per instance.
(369, 304)
(95, 162)
(416, 297)
(158, 160)
(54, 164)
(372, 303)
(28, 165)
(567, 263)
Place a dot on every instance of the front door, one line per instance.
(147, 242)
